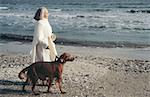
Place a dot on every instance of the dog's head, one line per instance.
(65, 57)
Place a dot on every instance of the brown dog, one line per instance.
(43, 70)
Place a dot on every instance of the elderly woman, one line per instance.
(43, 47)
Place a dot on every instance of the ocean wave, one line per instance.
(77, 16)
(101, 10)
(123, 6)
(106, 26)
(55, 9)
(88, 9)
(23, 15)
(102, 27)
(4, 8)
(139, 29)
(138, 11)
(114, 27)
(81, 3)
(96, 16)
(129, 5)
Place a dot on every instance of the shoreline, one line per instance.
(96, 72)
(69, 42)
(122, 53)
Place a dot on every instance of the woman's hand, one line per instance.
(56, 58)
(53, 37)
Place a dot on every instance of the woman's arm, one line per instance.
(52, 46)
(53, 52)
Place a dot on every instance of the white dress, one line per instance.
(41, 41)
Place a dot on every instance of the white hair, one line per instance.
(43, 9)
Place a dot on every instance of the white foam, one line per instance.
(3, 8)
(1, 44)
(15, 14)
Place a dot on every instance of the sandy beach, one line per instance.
(110, 40)
(96, 72)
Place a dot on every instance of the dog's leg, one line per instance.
(23, 88)
(35, 93)
(49, 84)
(33, 87)
(60, 86)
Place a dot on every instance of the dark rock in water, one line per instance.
(97, 26)
(80, 16)
(102, 27)
(101, 10)
(132, 11)
(137, 11)
(145, 11)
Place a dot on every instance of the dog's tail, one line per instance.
(22, 72)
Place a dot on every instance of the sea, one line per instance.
(100, 23)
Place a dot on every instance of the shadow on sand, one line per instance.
(6, 89)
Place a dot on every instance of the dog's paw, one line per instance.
(49, 91)
(63, 92)
(36, 93)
